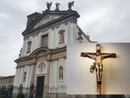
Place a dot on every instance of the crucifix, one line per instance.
(98, 57)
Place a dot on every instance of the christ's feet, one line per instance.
(99, 82)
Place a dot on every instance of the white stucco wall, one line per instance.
(116, 77)
(70, 36)
(79, 80)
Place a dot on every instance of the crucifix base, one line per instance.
(99, 87)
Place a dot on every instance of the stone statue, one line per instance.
(62, 38)
(98, 63)
(29, 47)
(48, 5)
(70, 4)
(24, 78)
(57, 6)
(61, 73)
(20, 52)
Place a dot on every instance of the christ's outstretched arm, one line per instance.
(103, 56)
(92, 56)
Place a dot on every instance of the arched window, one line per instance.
(60, 73)
(61, 37)
(24, 78)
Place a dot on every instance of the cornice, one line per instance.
(49, 55)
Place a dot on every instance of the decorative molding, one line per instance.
(41, 67)
(57, 26)
(64, 57)
(24, 38)
(27, 37)
(53, 28)
(61, 31)
(56, 59)
(29, 42)
(49, 60)
(33, 63)
(37, 34)
(34, 35)
(62, 42)
(66, 23)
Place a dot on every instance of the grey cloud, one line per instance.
(107, 21)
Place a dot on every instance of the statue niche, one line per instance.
(29, 46)
(24, 78)
(61, 73)
(61, 36)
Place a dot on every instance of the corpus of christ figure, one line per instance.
(98, 57)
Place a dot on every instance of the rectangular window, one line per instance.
(45, 41)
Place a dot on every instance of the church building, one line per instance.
(42, 59)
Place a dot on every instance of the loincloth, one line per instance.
(99, 64)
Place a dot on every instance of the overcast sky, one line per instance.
(104, 20)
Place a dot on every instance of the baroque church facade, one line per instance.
(42, 59)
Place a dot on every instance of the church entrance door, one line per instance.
(40, 87)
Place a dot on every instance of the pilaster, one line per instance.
(52, 38)
(21, 76)
(66, 34)
(22, 54)
(27, 77)
(47, 76)
(50, 79)
(25, 47)
(16, 75)
(57, 38)
(72, 32)
(17, 84)
(36, 41)
(55, 74)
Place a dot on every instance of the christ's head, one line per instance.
(97, 53)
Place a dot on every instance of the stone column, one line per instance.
(36, 39)
(39, 41)
(52, 38)
(22, 54)
(66, 34)
(16, 75)
(55, 75)
(33, 72)
(25, 48)
(27, 76)
(72, 32)
(50, 80)
(47, 77)
(21, 76)
(57, 37)
(32, 44)
(15, 80)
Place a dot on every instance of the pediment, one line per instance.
(45, 20)
(48, 18)
(39, 52)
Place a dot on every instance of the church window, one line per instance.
(61, 73)
(24, 78)
(29, 46)
(61, 36)
(45, 41)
